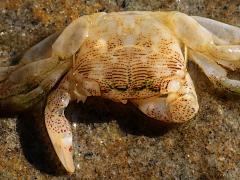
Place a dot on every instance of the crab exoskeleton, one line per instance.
(139, 57)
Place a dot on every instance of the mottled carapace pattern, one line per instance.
(129, 57)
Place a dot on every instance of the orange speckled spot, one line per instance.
(41, 15)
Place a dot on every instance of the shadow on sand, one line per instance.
(36, 144)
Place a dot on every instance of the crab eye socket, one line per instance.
(121, 88)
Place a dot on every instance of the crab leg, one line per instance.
(42, 50)
(5, 71)
(21, 85)
(196, 37)
(229, 33)
(5, 61)
(71, 38)
(232, 65)
(23, 101)
(57, 125)
(224, 34)
(27, 77)
(215, 73)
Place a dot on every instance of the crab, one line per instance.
(133, 56)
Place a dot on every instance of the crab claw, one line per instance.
(58, 127)
(62, 142)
